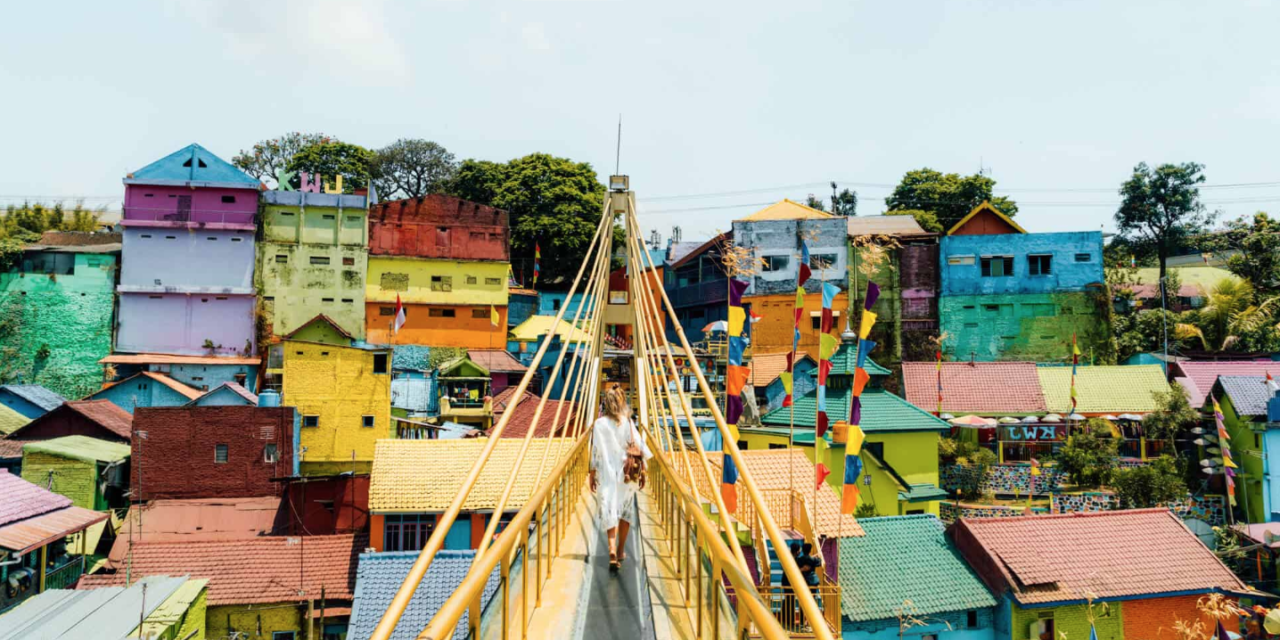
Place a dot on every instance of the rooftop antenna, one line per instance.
(675, 234)
(617, 159)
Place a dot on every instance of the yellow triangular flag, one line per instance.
(827, 345)
(785, 377)
(856, 437)
(737, 316)
(868, 319)
(493, 315)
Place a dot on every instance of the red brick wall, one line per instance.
(438, 226)
(177, 455)
(1154, 618)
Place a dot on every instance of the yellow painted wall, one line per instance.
(338, 385)
(471, 283)
(247, 619)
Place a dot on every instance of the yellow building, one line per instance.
(342, 391)
(448, 303)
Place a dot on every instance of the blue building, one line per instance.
(550, 303)
(31, 400)
(521, 303)
(696, 284)
(147, 389)
(200, 372)
(907, 565)
(227, 394)
(1011, 295)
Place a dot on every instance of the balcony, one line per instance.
(202, 219)
(702, 293)
(65, 575)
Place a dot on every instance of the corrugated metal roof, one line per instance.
(969, 387)
(885, 225)
(188, 392)
(35, 394)
(80, 448)
(197, 520)
(24, 535)
(228, 387)
(111, 612)
(1104, 388)
(192, 165)
(1249, 394)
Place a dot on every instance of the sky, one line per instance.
(726, 106)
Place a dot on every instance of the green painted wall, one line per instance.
(1246, 452)
(54, 329)
(1073, 621)
(887, 332)
(75, 479)
(1035, 327)
(914, 455)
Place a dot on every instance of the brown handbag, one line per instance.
(633, 468)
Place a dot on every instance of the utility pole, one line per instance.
(1164, 321)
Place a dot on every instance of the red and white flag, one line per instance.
(400, 316)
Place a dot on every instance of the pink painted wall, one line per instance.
(150, 205)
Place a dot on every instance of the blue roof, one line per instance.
(1249, 394)
(36, 394)
(413, 357)
(192, 165)
(380, 575)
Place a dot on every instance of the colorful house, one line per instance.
(34, 526)
(1051, 574)
(167, 608)
(312, 259)
(93, 473)
(773, 236)
(31, 400)
(900, 454)
(907, 310)
(187, 267)
(341, 387)
(99, 419)
(1246, 403)
(1011, 295)
(465, 396)
(61, 294)
(227, 394)
(447, 260)
(698, 288)
(11, 420)
(504, 370)
(381, 574)
(906, 565)
(413, 382)
(146, 389)
(199, 372)
(214, 452)
(414, 481)
(1199, 376)
(258, 587)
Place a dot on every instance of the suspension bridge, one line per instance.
(693, 568)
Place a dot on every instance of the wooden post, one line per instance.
(311, 609)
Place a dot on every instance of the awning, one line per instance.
(33, 533)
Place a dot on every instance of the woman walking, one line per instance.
(614, 439)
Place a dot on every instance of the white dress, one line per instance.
(608, 453)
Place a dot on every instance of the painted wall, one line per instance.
(773, 333)
(1070, 270)
(520, 307)
(476, 283)
(826, 237)
(1271, 494)
(75, 479)
(248, 619)
(21, 405)
(549, 303)
(59, 326)
(1070, 620)
(187, 259)
(152, 205)
(805, 382)
(469, 327)
(339, 387)
(1246, 451)
(913, 454)
(439, 226)
(200, 376)
(945, 626)
(140, 392)
(1036, 327)
(1155, 617)
(181, 323)
(464, 534)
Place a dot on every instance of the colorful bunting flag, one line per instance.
(821, 476)
(938, 357)
(798, 312)
(850, 492)
(537, 262)
(729, 484)
(736, 373)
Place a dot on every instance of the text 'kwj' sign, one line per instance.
(311, 183)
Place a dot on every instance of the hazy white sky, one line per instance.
(763, 100)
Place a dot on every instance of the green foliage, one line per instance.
(412, 168)
(865, 510)
(354, 162)
(1234, 318)
(927, 220)
(1150, 485)
(1143, 332)
(814, 202)
(1162, 206)
(845, 203)
(1173, 415)
(948, 196)
(1089, 456)
(977, 459)
(24, 225)
(1258, 241)
(553, 202)
(269, 156)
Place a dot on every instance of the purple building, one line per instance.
(186, 279)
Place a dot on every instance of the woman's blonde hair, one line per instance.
(615, 404)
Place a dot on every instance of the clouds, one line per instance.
(534, 37)
(343, 41)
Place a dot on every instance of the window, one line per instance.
(441, 313)
(220, 454)
(1084, 257)
(479, 313)
(775, 445)
(555, 305)
(348, 262)
(212, 238)
(442, 283)
(282, 258)
(228, 199)
(319, 259)
(326, 300)
(145, 235)
(380, 362)
(971, 619)
(1041, 265)
(386, 311)
(310, 421)
(366, 422)
(493, 282)
(237, 239)
(328, 216)
(471, 280)
(997, 266)
(284, 635)
(774, 264)
(875, 448)
(822, 261)
(348, 301)
(742, 445)
(269, 453)
(407, 532)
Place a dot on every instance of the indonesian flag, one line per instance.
(400, 316)
(755, 317)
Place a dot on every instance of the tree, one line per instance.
(1144, 332)
(269, 156)
(1162, 206)
(354, 162)
(1232, 319)
(1088, 457)
(927, 220)
(412, 168)
(844, 203)
(1173, 415)
(1156, 483)
(554, 203)
(949, 196)
(814, 202)
(974, 461)
(1258, 243)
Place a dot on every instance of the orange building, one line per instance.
(774, 331)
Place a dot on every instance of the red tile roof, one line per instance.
(984, 388)
(27, 535)
(105, 413)
(765, 367)
(20, 499)
(523, 417)
(496, 360)
(1205, 373)
(253, 571)
(197, 520)
(1110, 554)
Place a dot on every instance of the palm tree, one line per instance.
(1230, 312)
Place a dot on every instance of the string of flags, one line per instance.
(853, 445)
(1075, 362)
(1228, 465)
(537, 262)
(827, 345)
(735, 381)
(788, 377)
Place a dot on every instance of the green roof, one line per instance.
(923, 493)
(80, 448)
(1103, 388)
(846, 359)
(11, 420)
(905, 558)
(881, 412)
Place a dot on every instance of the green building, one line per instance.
(902, 259)
(93, 473)
(1244, 401)
(56, 309)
